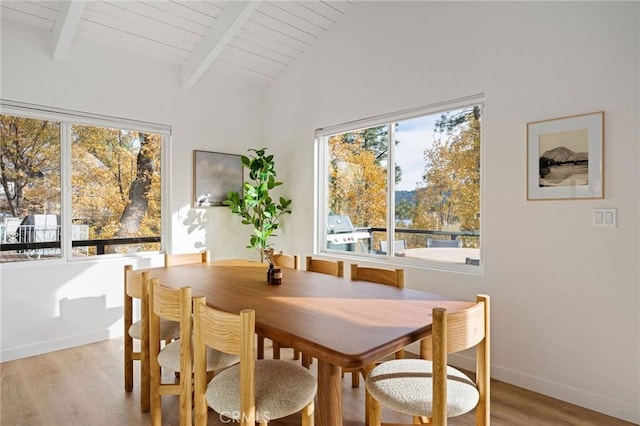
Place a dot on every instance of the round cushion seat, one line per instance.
(169, 358)
(282, 388)
(169, 330)
(406, 386)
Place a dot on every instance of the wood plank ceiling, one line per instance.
(257, 38)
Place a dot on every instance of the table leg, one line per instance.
(329, 408)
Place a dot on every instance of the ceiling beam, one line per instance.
(65, 27)
(232, 18)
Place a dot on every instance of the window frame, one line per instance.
(321, 187)
(67, 118)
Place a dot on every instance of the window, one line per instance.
(112, 167)
(30, 195)
(403, 187)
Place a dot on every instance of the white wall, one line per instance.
(565, 295)
(49, 305)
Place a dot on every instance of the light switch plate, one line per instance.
(604, 218)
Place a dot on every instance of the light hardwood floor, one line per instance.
(84, 386)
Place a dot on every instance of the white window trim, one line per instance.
(400, 115)
(321, 186)
(79, 117)
(67, 117)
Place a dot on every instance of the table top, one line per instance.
(346, 323)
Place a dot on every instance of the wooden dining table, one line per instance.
(341, 323)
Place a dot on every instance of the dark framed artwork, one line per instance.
(214, 175)
(565, 158)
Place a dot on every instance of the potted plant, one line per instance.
(257, 207)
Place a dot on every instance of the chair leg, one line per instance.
(367, 396)
(276, 350)
(128, 363)
(200, 416)
(296, 355)
(307, 415)
(186, 401)
(199, 401)
(373, 411)
(367, 407)
(260, 349)
(145, 382)
(156, 407)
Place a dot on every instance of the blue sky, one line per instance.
(415, 135)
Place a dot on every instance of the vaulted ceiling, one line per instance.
(257, 38)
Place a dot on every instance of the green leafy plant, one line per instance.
(257, 207)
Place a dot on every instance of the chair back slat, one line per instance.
(465, 328)
(394, 278)
(219, 330)
(167, 302)
(328, 267)
(283, 260)
(133, 282)
(186, 259)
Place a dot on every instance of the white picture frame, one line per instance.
(565, 158)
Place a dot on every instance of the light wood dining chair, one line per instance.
(289, 261)
(393, 278)
(432, 391)
(186, 258)
(329, 267)
(136, 287)
(254, 390)
(175, 305)
(283, 260)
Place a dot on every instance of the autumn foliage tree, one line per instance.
(451, 191)
(29, 165)
(125, 199)
(357, 180)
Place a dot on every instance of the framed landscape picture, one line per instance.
(565, 158)
(215, 174)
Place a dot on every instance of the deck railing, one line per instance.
(45, 240)
(472, 237)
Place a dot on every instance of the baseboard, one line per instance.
(53, 345)
(600, 403)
